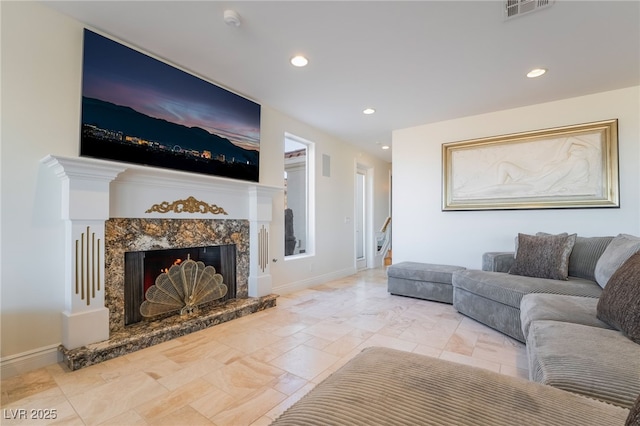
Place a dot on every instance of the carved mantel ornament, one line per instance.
(190, 205)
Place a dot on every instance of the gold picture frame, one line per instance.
(565, 167)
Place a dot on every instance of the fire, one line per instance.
(175, 262)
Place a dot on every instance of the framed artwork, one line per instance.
(138, 109)
(566, 167)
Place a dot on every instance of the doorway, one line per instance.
(361, 215)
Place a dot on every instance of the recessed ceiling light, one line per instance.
(385, 147)
(368, 111)
(299, 61)
(231, 17)
(536, 72)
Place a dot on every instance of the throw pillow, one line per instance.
(585, 255)
(538, 234)
(618, 250)
(619, 303)
(634, 414)
(543, 256)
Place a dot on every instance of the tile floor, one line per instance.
(248, 371)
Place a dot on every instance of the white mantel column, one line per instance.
(260, 214)
(85, 208)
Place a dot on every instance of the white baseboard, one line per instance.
(313, 281)
(24, 362)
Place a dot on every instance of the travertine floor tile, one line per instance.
(244, 376)
(108, 400)
(183, 416)
(189, 372)
(174, 400)
(329, 330)
(305, 362)
(247, 410)
(129, 418)
(213, 402)
(248, 371)
(462, 341)
(47, 407)
(34, 382)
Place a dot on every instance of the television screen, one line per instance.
(138, 109)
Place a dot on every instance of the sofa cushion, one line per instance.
(585, 254)
(556, 307)
(619, 249)
(591, 361)
(509, 289)
(504, 318)
(382, 386)
(619, 304)
(543, 256)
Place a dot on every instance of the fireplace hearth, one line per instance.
(149, 333)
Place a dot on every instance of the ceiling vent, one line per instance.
(513, 8)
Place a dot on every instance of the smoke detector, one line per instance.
(231, 17)
(513, 8)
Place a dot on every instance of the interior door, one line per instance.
(360, 219)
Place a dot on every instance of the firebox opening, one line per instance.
(143, 267)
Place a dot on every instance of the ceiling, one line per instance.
(415, 62)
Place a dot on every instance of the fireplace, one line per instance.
(129, 241)
(142, 268)
(110, 209)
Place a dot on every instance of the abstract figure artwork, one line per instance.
(574, 166)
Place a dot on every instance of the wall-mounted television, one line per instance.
(138, 109)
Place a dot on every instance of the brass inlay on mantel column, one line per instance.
(263, 248)
(88, 265)
(190, 205)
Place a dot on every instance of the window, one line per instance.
(298, 199)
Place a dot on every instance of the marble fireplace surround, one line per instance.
(110, 207)
(126, 234)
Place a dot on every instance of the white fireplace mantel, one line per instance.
(96, 190)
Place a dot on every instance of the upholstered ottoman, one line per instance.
(422, 280)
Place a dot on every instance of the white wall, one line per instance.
(334, 238)
(422, 232)
(41, 72)
(41, 92)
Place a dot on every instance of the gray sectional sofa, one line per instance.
(581, 328)
(569, 346)
(492, 295)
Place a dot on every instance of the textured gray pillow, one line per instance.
(538, 234)
(634, 414)
(619, 249)
(543, 256)
(585, 255)
(619, 303)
